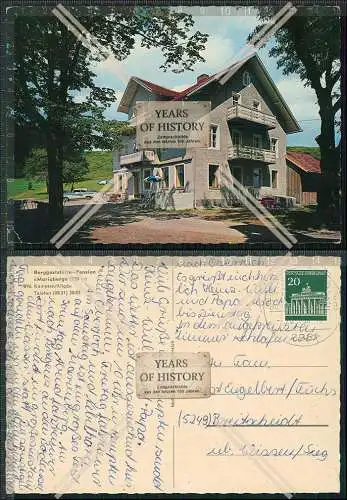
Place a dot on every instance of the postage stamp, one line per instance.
(173, 375)
(306, 295)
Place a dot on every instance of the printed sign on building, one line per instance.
(163, 124)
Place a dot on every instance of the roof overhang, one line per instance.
(129, 93)
(299, 166)
(284, 116)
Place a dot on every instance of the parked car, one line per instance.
(78, 194)
(104, 182)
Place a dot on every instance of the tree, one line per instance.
(36, 167)
(113, 132)
(75, 170)
(52, 65)
(309, 45)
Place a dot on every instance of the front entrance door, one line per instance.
(237, 173)
(136, 181)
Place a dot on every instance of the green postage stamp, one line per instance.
(306, 295)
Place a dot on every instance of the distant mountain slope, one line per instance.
(315, 152)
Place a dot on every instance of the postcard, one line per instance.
(173, 374)
(178, 125)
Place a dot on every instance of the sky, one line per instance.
(227, 36)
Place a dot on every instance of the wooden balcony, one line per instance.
(147, 156)
(249, 153)
(240, 113)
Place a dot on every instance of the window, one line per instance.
(236, 138)
(146, 173)
(237, 173)
(257, 141)
(256, 105)
(274, 145)
(274, 175)
(246, 78)
(120, 183)
(236, 99)
(165, 177)
(256, 177)
(214, 136)
(180, 181)
(213, 181)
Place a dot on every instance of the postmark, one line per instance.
(306, 295)
(182, 375)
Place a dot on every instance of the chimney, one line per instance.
(202, 77)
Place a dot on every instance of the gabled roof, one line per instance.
(229, 72)
(193, 88)
(132, 87)
(305, 162)
(157, 89)
(283, 113)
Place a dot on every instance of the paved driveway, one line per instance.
(128, 223)
(183, 230)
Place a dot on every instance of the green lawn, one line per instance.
(100, 168)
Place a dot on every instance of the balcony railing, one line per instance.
(252, 115)
(249, 153)
(137, 157)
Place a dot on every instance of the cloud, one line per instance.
(301, 100)
(218, 53)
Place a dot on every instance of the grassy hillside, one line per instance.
(100, 164)
(315, 152)
(100, 168)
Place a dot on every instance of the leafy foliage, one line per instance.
(36, 167)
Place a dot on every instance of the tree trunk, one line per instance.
(329, 186)
(55, 188)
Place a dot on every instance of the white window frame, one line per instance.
(238, 95)
(276, 146)
(246, 78)
(237, 132)
(217, 178)
(259, 105)
(184, 175)
(217, 146)
(259, 136)
(274, 170)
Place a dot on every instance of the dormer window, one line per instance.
(246, 78)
